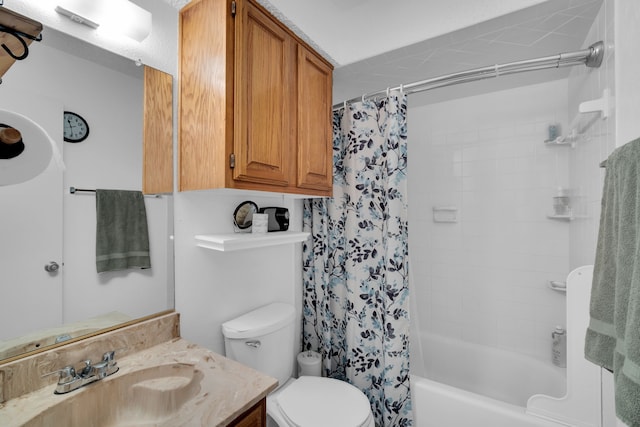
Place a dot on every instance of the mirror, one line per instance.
(51, 292)
(243, 215)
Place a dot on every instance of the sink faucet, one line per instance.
(70, 380)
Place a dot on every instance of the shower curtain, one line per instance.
(356, 294)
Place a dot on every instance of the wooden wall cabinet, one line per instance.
(255, 103)
(157, 139)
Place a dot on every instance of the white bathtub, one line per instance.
(462, 384)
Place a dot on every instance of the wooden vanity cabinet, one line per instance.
(256, 416)
(255, 103)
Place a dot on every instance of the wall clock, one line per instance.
(76, 128)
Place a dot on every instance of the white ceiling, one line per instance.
(545, 29)
(375, 44)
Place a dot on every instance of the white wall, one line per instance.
(627, 70)
(213, 287)
(484, 278)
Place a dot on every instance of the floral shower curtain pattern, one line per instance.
(356, 295)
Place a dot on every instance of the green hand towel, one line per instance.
(122, 236)
(613, 337)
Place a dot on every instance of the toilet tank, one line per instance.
(263, 339)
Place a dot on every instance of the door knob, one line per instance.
(52, 267)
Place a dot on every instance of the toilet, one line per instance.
(264, 340)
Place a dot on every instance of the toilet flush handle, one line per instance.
(254, 343)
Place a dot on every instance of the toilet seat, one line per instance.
(322, 402)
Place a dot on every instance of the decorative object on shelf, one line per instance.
(445, 214)
(562, 202)
(243, 216)
(278, 218)
(260, 223)
(76, 128)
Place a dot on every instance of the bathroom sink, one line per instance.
(149, 396)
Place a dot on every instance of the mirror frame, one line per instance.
(85, 336)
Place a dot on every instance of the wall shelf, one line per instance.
(561, 217)
(565, 217)
(585, 119)
(241, 241)
(563, 141)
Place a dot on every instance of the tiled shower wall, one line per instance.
(484, 278)
(595, 144)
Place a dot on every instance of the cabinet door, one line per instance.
(265, 99)
(315, 161)
(254, 417)
(157, 132)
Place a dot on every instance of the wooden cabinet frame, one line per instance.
(255, 103)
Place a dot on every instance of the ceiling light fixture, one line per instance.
(113, 16)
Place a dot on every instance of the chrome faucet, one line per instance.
(70, 380)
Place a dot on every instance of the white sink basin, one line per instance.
(150, 396)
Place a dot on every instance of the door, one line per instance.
(31, 230)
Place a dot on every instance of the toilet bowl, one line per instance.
(319, 402)
(264, 340)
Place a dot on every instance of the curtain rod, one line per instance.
(591, 57)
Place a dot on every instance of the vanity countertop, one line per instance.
(226, 388)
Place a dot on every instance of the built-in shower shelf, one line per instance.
(562, 141)
(242, 241)
(565, 217)
(588, 113)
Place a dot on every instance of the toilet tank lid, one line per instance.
(260, 321)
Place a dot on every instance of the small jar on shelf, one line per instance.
(562, 203)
